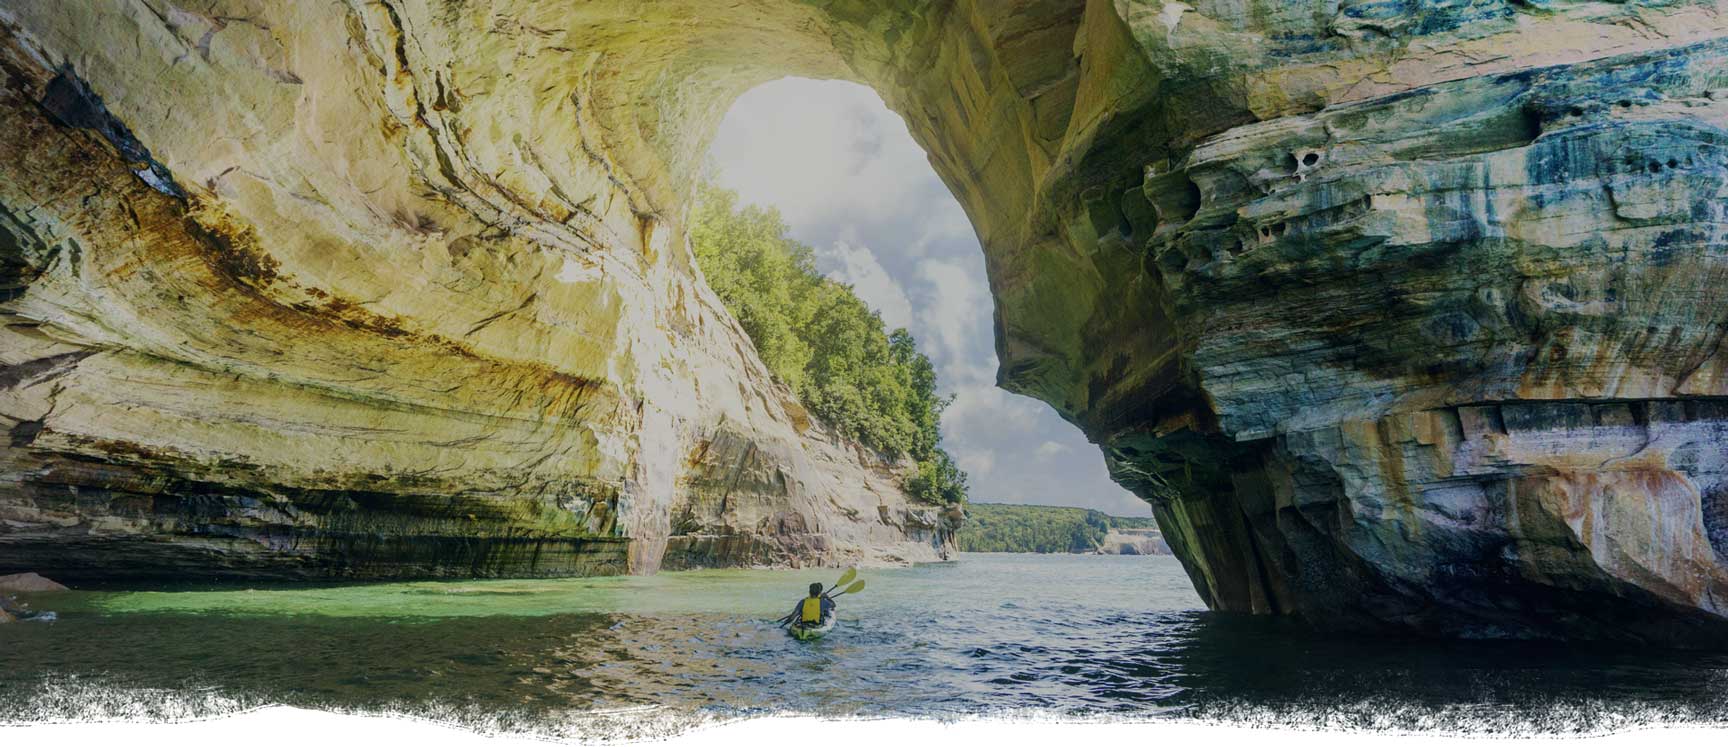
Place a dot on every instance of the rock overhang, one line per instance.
(1282, 264)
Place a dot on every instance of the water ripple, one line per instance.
(1072, 637)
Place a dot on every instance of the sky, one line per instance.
(851, 183)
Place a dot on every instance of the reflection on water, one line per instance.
(994, 634)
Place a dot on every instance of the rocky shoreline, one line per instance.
(12, 610)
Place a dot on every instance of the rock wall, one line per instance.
(280, 299)
(1445, 325)
(1401, 315)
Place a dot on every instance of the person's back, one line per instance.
(814, 609)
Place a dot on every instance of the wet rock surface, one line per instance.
(12, 610)
(1400, 318)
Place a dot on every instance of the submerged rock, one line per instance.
(27, 582)
(1400, 319)
(11, 610)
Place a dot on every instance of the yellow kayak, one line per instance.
(808, 632)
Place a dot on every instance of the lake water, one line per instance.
(1064, 636)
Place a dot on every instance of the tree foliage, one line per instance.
(819, 338)
(994, 527)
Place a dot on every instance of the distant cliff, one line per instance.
(998, 527)
(1145, 541)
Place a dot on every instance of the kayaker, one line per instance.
(813, 609)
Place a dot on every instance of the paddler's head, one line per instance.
(816, 590)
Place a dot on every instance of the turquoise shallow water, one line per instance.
(1068, 636)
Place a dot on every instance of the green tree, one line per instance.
(817, 336)
(992, 527)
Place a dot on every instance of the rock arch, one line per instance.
(1396, 318)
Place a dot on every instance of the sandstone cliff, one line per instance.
(275, 305)
(1399, 314)
(1133, 542)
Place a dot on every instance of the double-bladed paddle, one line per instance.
(853, 589)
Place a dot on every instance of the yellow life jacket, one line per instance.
(811, 611)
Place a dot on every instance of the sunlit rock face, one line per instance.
(1400, 315)
(314, 289)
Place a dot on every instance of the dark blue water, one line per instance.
(1066, 636)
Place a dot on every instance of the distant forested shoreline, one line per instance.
(1001, 527)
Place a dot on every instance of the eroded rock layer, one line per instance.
(1400, 315)
(266, 315)
(1451, 355)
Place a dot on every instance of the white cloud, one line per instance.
(942, 226)
(782, 137)
(988, 411)
(850, 181)
(957, 305)
(976, 462)
(858, 267)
